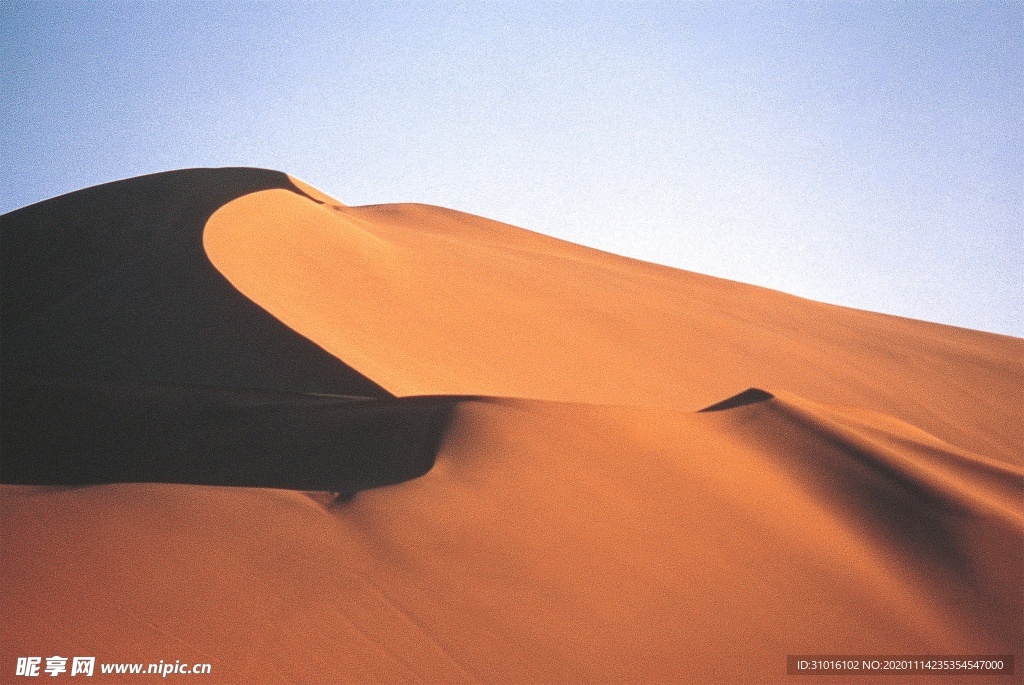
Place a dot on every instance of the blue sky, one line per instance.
(864, 154)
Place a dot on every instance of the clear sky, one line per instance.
(862, 154)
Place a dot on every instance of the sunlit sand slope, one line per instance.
(549, 543)
(428, 300)
(854, 483)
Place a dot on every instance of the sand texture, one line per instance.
(553, 464)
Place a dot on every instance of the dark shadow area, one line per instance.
(84, 433)
(748, 396)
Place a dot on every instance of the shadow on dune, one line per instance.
(113, 282)
(951, 517)
(127, 357)
(84, 433)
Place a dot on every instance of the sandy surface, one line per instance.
(583, 521)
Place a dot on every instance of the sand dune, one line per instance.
(557, 509)
(425, 300)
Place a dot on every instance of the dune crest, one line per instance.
(315, 194)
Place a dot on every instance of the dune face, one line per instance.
(595, 469)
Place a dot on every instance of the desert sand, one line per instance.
(556, 464)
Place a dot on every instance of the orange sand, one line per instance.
(428, 300)
(586, 525)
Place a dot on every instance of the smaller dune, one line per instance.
(550, 542)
